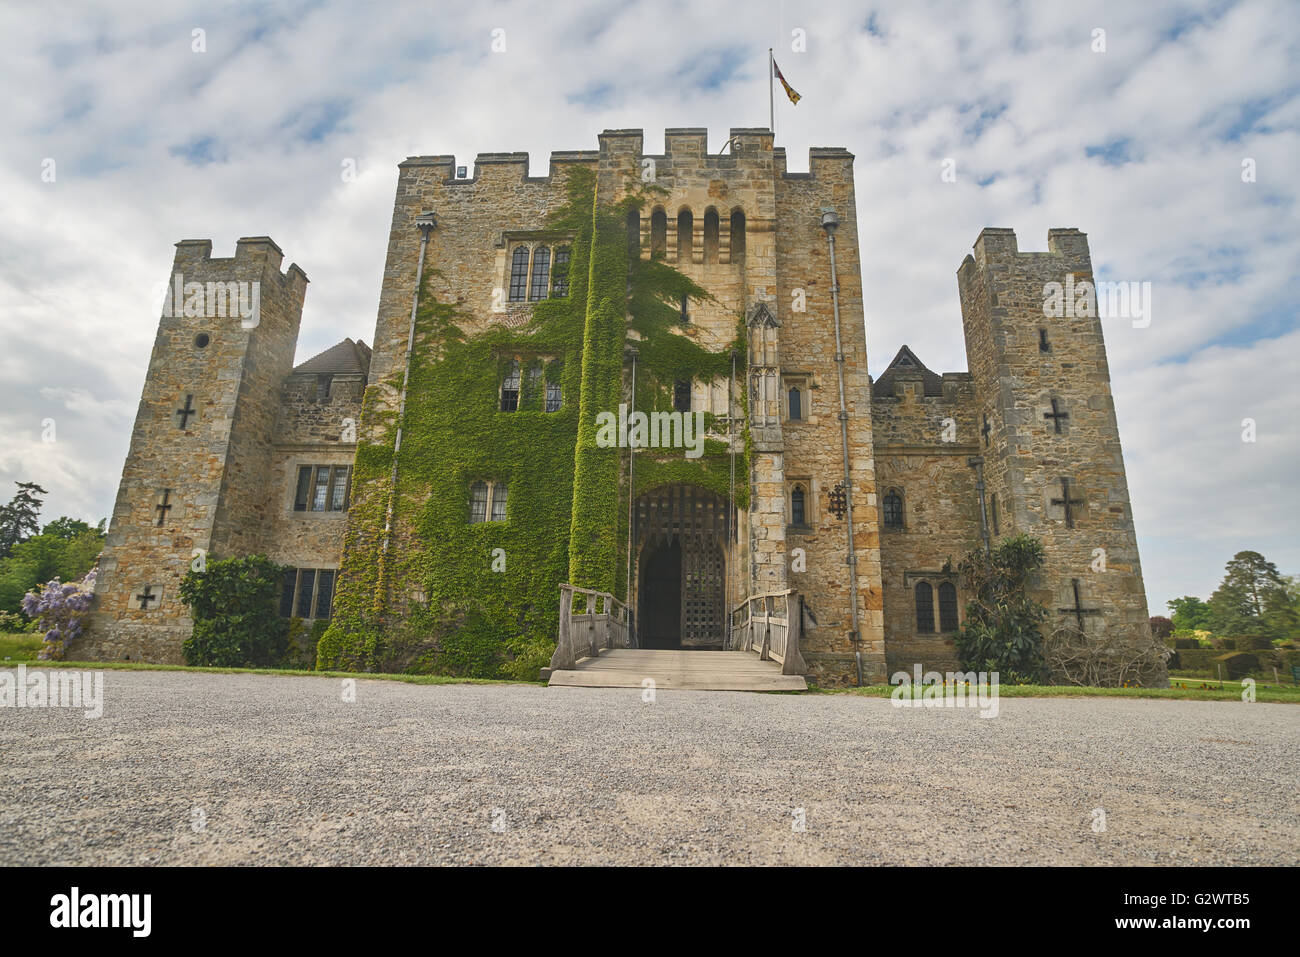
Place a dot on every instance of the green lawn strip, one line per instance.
(20, 647)
(290, 672)
(1276, 694)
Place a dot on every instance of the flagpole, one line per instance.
(771, 102)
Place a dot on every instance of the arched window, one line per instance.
(541, 273)
(737, 236)
(893, 508)
(795, 405)
(947, 607)
(685, 235)
(924, 608)
(634, 232)
(798, 507)
(682, 395)
(710, 235)
(498, 501)
(519, 274)
(560, 275)
(510, 389)
(658, 234)
(478, 502)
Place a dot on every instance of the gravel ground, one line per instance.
(188, 768)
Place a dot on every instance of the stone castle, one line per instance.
(862, 495)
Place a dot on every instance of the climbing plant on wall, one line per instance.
(481, 598)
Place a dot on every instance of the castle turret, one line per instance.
(195, 479)
(1048, 436)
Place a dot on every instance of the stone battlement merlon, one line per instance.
(502, 161)
(195, 254)
(998, 247)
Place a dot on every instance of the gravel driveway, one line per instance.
(187, 768)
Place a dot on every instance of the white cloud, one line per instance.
(155, 143)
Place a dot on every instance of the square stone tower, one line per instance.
(1048, 434)
(196, 477)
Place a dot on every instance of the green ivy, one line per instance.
(438, 600)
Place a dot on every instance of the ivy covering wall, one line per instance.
(442, 598)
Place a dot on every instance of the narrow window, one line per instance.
(552, 397)
(924, 608)
(634, 232)
(798, 514)
(321, 492)
(324, 592)
(478, 501)
(1043, 345)
(737, 236)
(710, 235)
(339, 489)
(287, 584)
(947, 607)
(796, 404)
(994, 501)
(658, 234)
(686, 315)
(893, 505)
(534, 386)
(519, 274)
(324, 382)
(303, 494)
(682, 396)
(306, 585)
(560, 274)
(685, 235)
(510, 389)
(541, 273)
(498, 501)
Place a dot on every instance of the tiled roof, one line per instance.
(346, 358)
(906, 361)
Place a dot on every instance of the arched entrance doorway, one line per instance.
(682, 534)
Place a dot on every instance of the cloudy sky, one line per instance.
(1141, 146)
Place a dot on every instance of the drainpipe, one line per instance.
(829, 222)
(977, 463)
(631, 353)
(426, 223)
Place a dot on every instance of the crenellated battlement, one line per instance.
(258, 254)
(998, 247)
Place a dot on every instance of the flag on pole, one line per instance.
(789, 90)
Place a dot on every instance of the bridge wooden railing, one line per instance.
(770, 625)
(600, 622)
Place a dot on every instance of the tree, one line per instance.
(236, 621)
(19, 519)
(46, 556)
(1002, 630)
(1250, 600)
(1189, 613)
(64, 527)
(1161, 627)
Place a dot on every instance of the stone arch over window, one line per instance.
(541, 273)
(924, 608)
(892, 508)
(799, 505)
(685, 235)
(658, 233)
(737, 235)
(519, 274)
(711, 231)
(947, 606)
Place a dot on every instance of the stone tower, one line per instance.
(196, 476)
(1048, 437)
